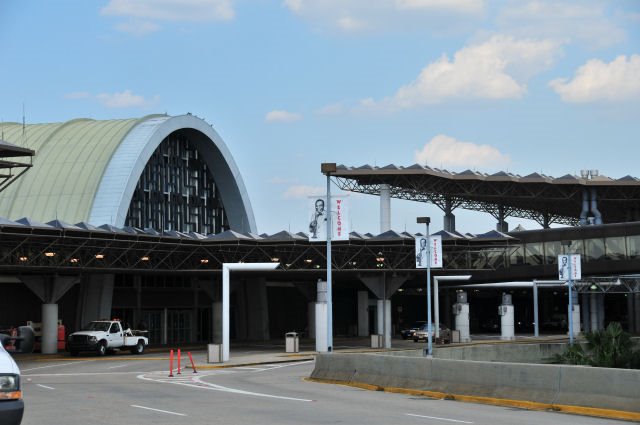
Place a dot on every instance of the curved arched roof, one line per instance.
(86, 170)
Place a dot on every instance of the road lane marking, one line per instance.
(196, 382)
(53, 365)
(437, 418)
(121, 365)
(44, 386)
(81, 374)
(158, 410)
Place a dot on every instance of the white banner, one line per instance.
(318, 219)
(563, 267)
(421, 252)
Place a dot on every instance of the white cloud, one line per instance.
(282, 116)
(356, 16)
(461, 6)
(139, 28)
(447, 152)
(596, 80)
(584, 21)
(172, 10)
(125, 99)
(495, 69)
(303, 192)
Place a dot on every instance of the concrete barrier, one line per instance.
(600, 388)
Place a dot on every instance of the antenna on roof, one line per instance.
(24, 131)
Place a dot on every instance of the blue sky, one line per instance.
(523, 86)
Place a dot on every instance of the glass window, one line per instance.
(594, 249)
(633, 246)
(516, 257)
(577, 247)
(551, 251)
(614, 248)
(533, 254)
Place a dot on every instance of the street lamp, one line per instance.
(427, 220)
(327, 169)
(567, 244)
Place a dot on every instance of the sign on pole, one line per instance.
(563, 267)
(318, 219)
(421, 252)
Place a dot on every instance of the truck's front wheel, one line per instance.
(138, 348)
(102, 348)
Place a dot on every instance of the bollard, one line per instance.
(193, 366)
(179, 373)
(171, 364)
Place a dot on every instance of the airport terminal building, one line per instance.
(134, 219)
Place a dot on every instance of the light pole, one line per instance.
(327, 169)
(427, 220)
(567, 244)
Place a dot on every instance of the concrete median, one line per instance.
(547, 386)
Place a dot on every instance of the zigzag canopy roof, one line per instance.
(539, 197)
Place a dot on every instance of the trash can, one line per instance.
(291, 342)
(455, 336)
(376, 341)
(214, 353)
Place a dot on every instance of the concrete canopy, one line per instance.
(87, 170)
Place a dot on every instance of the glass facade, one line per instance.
(176, 191)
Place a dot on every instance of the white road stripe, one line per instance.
(195, 382)
(83, 374)
(158, 410)
(115, 367)
(44, 386)
(53, 365)
(440, 419)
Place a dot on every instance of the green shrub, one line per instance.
(610, 347)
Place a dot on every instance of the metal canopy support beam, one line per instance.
(226, 271)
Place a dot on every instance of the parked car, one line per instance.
(421, 334)
(11, 404)
(408, 333)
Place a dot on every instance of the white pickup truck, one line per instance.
(102, 336)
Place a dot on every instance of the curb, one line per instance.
(227, 366)
(528, 405)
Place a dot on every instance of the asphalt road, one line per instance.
(137, 390)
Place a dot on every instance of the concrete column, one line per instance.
(194, 314)
(462, 321)
(593, 309)
(49, 328)
(576, 320)
(363, 313)
(216, 319)
(507, 328)
(575, 316)
(636, 297)
(321, 327)
(385, 208)
(384, 321)
(311, 318)
(97, 297)
(601, 311)
(631, 314)
(137, 313)
(585, 312)
(256, 292)
(449, 218)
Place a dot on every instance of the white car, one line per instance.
(11, 404)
